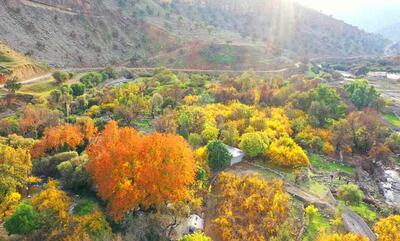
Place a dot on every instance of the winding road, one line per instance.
(46, 76)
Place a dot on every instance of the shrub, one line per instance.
(253, 144)
(24, 220)
(210, 133)
(195, 237)
(388, 228)
(91, 79)
(311, 212)
(73, 173)
(48, 165)
(350, 193)
(61, 76)
(195, 139)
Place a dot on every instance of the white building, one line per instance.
(195, 223)
(237, 154)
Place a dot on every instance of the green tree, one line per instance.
(350, 193)
(109, 73)
(92, 79)
(218, 155)
(190, 121)
(78, 89)
(24, 221)
(210, 133)
(325, 105)
(155, 103)
(253, 144)
(12, 85)
(61, 77)
(361, 93)
(195, 139)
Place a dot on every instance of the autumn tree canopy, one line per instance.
(346, 237)
(15, 167)
(65, 136)
(285, 152)
(130, 170)
(249, 208)
(388, 228)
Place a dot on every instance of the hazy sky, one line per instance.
(343, 6)
(367, 14)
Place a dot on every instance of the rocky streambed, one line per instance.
(390, 187)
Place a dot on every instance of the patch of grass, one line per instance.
(84, 207)
(42, 88)
(397, 160)
(315, 187)
(5, 59)
(317, 225)
(365, 212)
(223, 55)
(288, 173)
(320, 164)
(392, 119)
(142, 123)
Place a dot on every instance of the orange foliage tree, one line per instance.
(55, 138)
(131, 170)
(87, 127)
(34, 119)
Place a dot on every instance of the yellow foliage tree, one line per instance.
(346, 237)
(53, 200)
(249, 208)
(15, 166)
(388, 229)
(278, 124)
(316, 139)
(92, 226)
(9, 203)
(285, 152)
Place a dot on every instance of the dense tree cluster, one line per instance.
(146, 152)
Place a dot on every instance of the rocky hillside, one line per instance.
(15, 64)
(179, 33)
(77, 33)
(285, 25)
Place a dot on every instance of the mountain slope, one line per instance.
(285, 24)
(180, 33)
(15, 64)
(72, 33)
